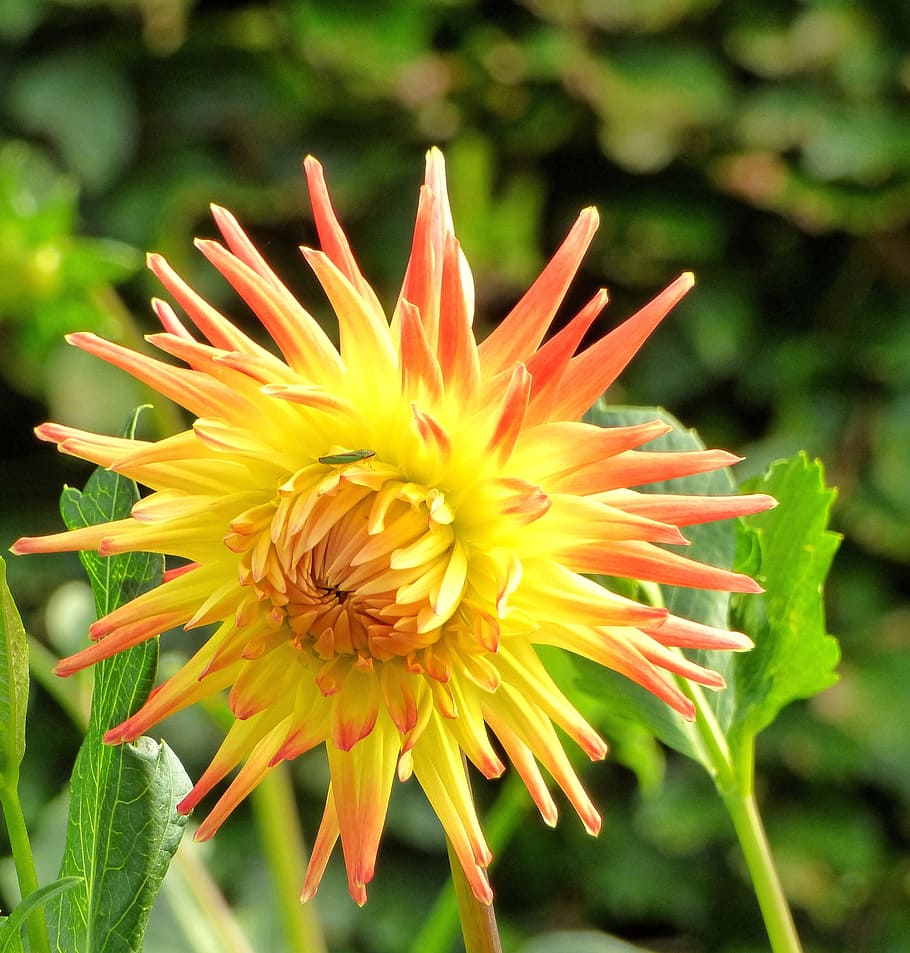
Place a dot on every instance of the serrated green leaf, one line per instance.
(11, 927)
(123, 827)
(712, 543)
(13, 683)
(625, 706)
(794, 656)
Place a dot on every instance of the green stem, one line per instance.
(754, 842)
(478, 921)
(282, 840)
(25, 863)
(504, 818)
(736, 791)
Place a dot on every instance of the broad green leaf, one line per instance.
(11, 927)
(123, 827)
(712, 543)
(13, 683)
(625, 707)
(794, 656)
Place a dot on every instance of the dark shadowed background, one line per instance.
(764, 146)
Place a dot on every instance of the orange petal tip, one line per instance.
(592, 823)
(687, 712)
(591, 212)
(748, 585)
(765, 500)
(737, 642)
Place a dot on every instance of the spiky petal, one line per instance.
(382, 533)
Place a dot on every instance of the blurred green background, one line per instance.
(766, 146)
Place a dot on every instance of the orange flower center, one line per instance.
(352, 562)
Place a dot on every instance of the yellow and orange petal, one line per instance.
(381, 533)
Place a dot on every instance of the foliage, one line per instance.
(123, 826)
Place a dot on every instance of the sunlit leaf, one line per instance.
(794, 656)
(123, 827)
(11, 927)
(13, 683)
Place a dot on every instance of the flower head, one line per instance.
(382, 533)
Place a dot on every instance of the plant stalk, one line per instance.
(24, 861)
(734, 784)
(754, 842)
(478, 920)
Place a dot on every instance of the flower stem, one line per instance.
(734, 783)
(504, 818)
(754, 842)
(478, 921)
(23, 860)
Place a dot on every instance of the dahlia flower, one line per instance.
(381, 534)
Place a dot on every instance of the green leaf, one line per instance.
(712, 543)
(11, 928)
(13, 683)
(624, 707)
(123, 827)
(794, 656)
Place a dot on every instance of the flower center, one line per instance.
(354, 562)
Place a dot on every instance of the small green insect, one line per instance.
(349, 456)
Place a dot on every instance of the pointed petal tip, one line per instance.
(115, 736)
(202, 832)
(21, 546)
(480, 885)
(593, 823)
(748, 585)
(686, 708)
(590, 212)
(598, 753)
